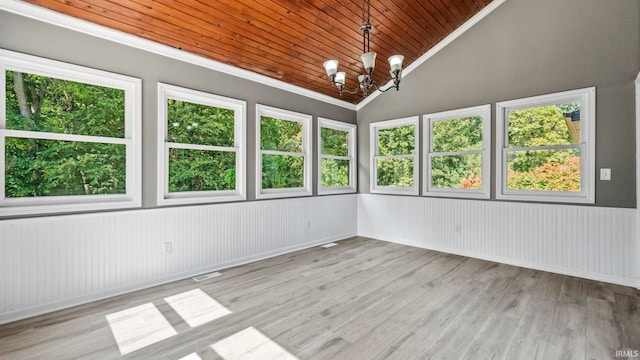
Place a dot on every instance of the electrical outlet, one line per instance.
(168, 248)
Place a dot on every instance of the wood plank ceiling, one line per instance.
(283, 39)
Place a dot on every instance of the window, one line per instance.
(336, 159)
(394, 156)
(283, 162)
(457, 152)
(68, 137)
(201, 152)
(546, 148)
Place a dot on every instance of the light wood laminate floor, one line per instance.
(363, 299)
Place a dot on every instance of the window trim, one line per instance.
(164, 197)
(132, 87)
(586, 195)
(427, 126)
(352, 156)
(373, 154)
(307, 153)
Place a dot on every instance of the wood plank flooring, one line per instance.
(364, 299)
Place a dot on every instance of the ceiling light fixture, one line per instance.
(365, 81)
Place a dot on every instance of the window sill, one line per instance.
(457, 194)
(187, 198)
(396, 191)
(567, 199)
(337, 190)
(282, 193)
(51, 209)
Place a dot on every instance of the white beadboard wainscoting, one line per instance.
(589, 242)
(56, 262)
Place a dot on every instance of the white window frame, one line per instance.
(12, 61)
(483, 111)
(239, 107)
(374, 128)
(586, 195)
(305, 120)
(350, 129)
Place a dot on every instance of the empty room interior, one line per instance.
(317, 179)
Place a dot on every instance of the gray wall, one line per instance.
(40, 39)
(526, 48)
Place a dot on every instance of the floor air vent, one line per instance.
(206, 276)
(326, 246)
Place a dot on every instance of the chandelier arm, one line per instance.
(396, 85)
(344, 88)
(351, 91)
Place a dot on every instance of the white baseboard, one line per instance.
(101, 295)
(597, 243)
(525, 264)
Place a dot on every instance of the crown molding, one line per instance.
(439, 46)
(54, 18)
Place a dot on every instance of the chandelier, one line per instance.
(365, 81)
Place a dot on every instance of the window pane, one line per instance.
(457, 171)
(461, 134)
(545, 125)
(395, 172)
(396, 141)
(280, 135)
(37, 167)
(190, 123)
(201, 170)
(549, 170)
(46, 104)
(335, 172)
(334, 142)
(282, 171)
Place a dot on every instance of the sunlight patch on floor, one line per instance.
(250, 344)
(192, 356)
(196, 307)
(139, 326)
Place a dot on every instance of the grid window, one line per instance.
(68, 137)
(394, 156)
(457, 162)
(283, 148)
(201, 152)
(336, 163)
(546, 147)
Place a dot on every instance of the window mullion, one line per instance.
(173, 145)
(335, 157)
(453, 153)
(545, 147)
(284, 153)
(403, 156)
(63, 137)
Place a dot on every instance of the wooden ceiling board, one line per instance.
(286, 40)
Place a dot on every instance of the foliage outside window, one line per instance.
(336, 159)
(283, 148)
(201, 154)
(546, 147)
(457, 152)
(67, 137)
(394, 156)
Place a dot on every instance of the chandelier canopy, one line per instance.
(365, 81)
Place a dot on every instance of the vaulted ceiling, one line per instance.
(283, 39)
